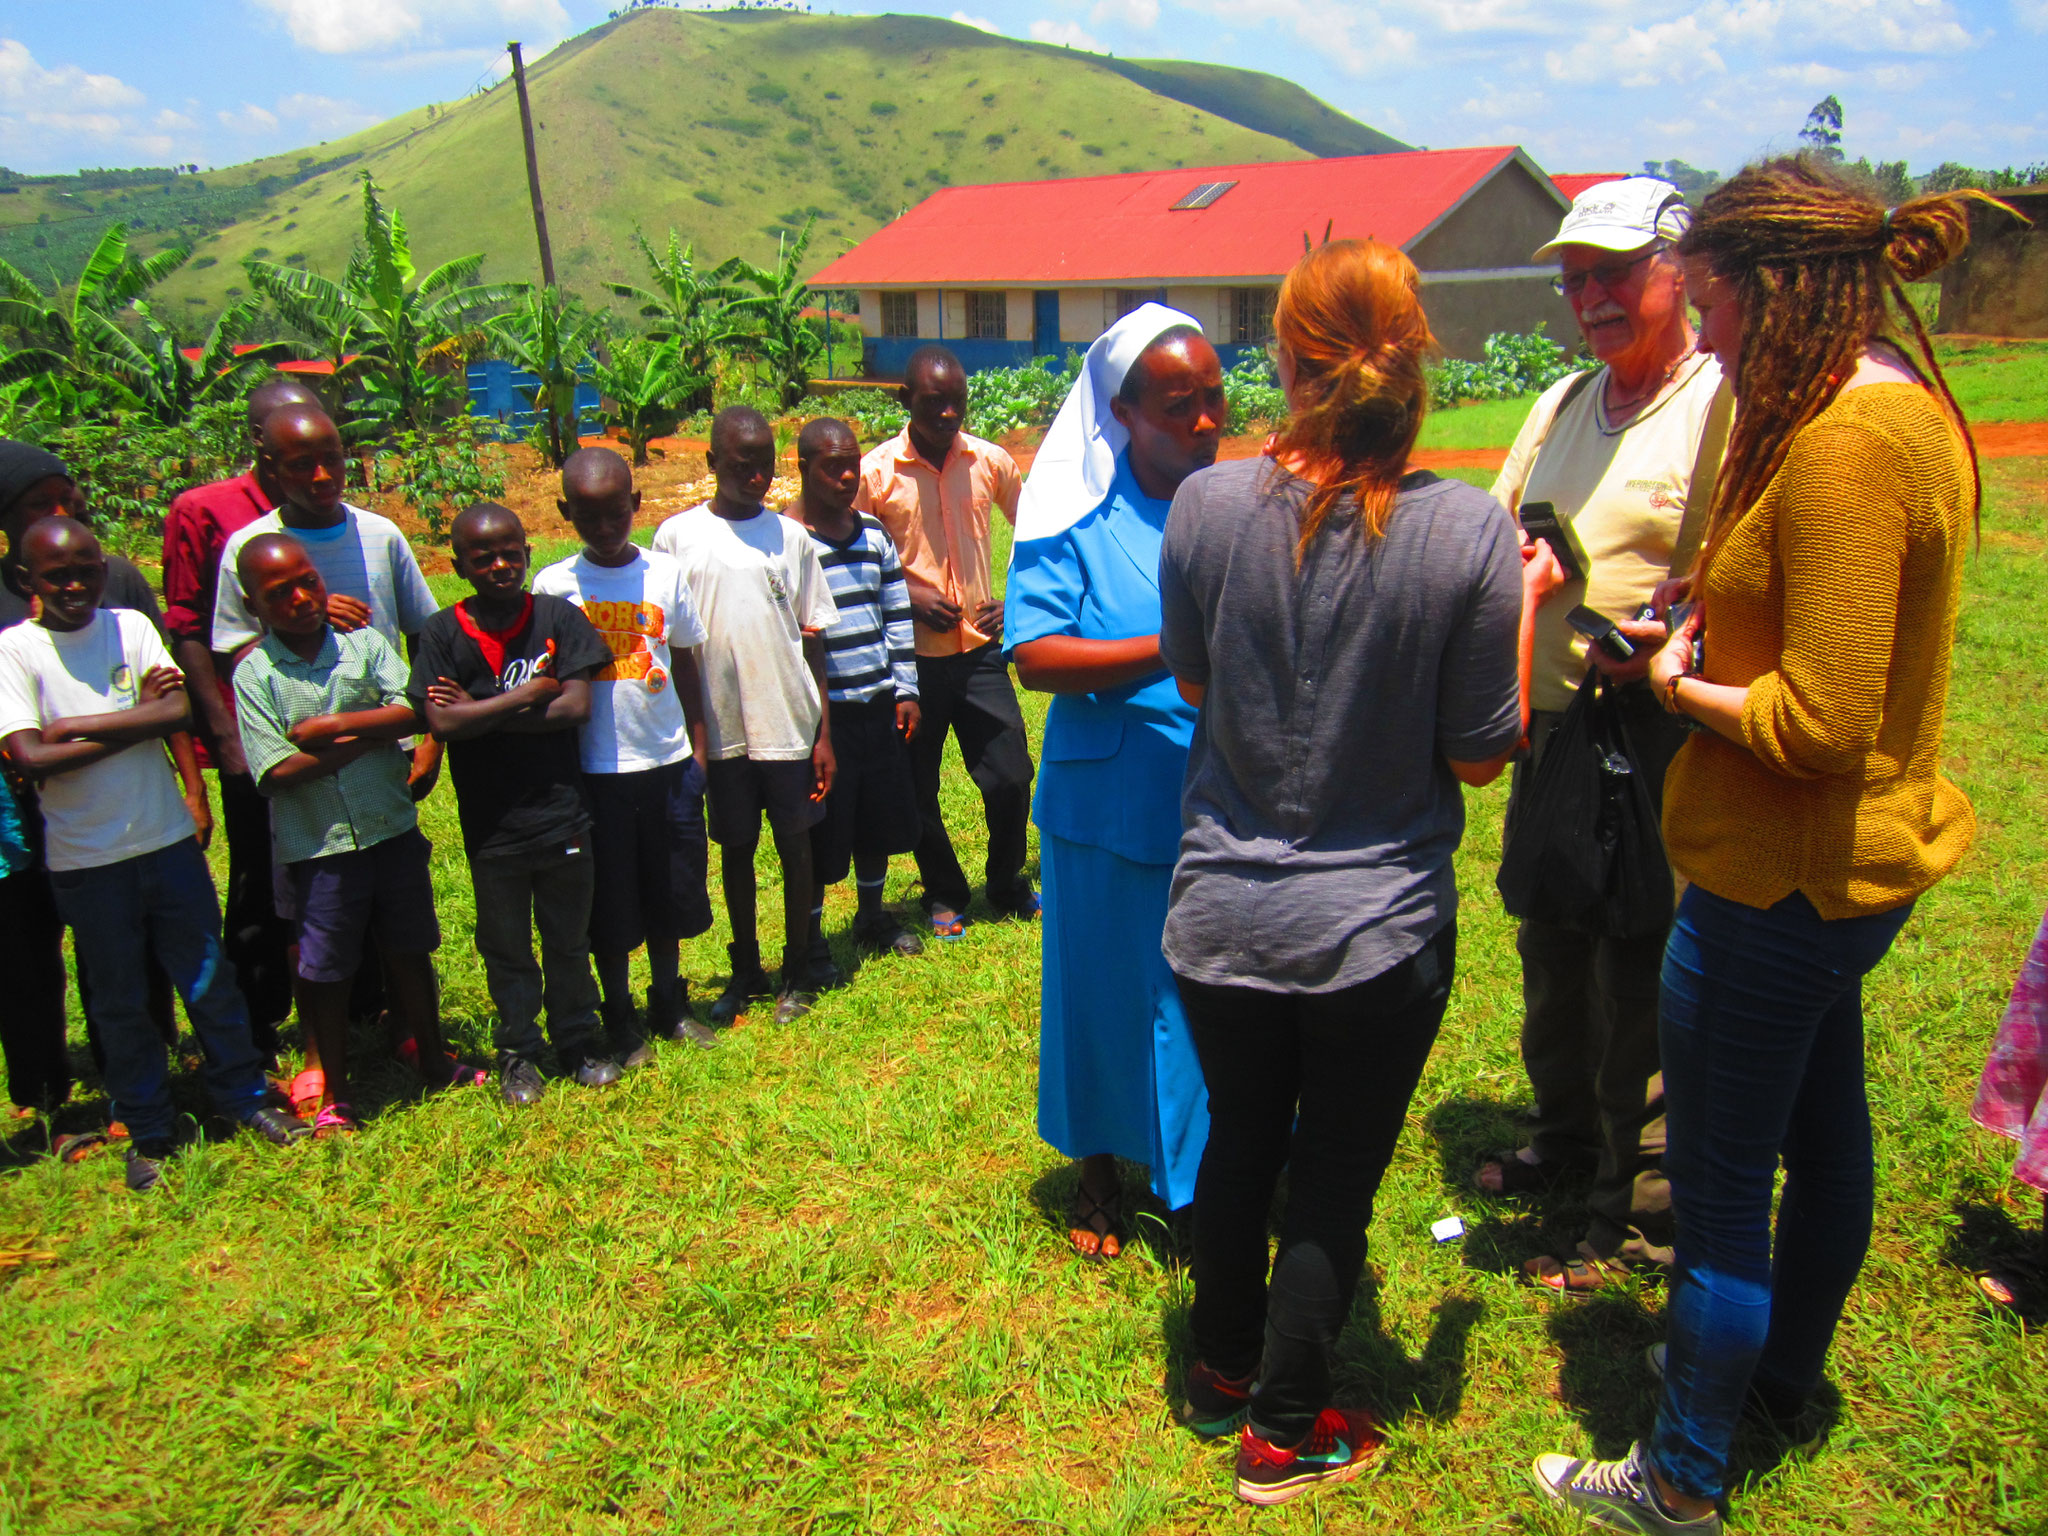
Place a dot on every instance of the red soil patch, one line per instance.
(2011, 439)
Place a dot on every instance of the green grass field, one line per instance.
(816, 1280)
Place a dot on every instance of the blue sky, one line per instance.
(1595, 85)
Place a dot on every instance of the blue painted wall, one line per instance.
(885, 355)
(497, 390)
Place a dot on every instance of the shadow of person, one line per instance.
(1986, 1239)
(1604, 1380)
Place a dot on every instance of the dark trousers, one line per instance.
(32, 971)
(515, 894)
(1589, 1033)
(163, 904)
(1317, 1084)
(257, 940)
(1763, 1061)
(971, 695)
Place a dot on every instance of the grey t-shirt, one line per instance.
(1320, 813)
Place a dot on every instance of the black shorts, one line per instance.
(872, 810)
(647, 832)
(743, 789)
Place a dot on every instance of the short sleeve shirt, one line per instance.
(364, 556)
(1320, 813)
(760, 587)
(939, 518)
(642, 610)
(1623, 491)
(516, 791)
(126, 804)
(196, 529)
(126, 587)
(367, 802)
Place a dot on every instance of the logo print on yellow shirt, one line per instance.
(630, 630)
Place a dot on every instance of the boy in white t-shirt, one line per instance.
(646, 789)
(765, 604)
(87, 697)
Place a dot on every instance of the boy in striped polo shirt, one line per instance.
(871, 672)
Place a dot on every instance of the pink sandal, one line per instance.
(307, 1090)
(335, 1119)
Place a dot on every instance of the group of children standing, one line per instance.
(760, 661)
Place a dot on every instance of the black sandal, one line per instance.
(1081, 1228)
(1518, 1177)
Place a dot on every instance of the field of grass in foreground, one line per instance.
(816, 1280)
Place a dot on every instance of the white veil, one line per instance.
(1077, 461)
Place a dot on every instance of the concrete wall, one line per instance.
(1464, 314)
(870, 311)
(1999, 286)
(1499, 225)
(928, 313)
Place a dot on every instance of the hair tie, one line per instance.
(1888, 219)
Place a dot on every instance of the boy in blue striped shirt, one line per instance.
(871, 673)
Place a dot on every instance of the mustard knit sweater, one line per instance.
(1833, 600)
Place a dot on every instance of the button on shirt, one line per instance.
(939, 519)
(367, 802)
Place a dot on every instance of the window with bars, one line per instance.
(899, 314)
(1118, 302)
(1248, 313)
(988, 315)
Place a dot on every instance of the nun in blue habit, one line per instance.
(1117, 1071)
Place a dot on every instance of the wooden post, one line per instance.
(828, 333)
(540, 212)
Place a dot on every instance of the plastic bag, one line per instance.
(1585, 849)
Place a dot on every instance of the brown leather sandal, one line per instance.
(1092, 1226)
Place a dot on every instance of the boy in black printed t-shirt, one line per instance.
(504, 678)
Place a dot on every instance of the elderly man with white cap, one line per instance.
(1117, 1071)
(1626, 453)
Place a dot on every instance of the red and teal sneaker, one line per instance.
(1213, 1404)
(1338, 1449)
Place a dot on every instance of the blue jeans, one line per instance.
(166, 898)
(1761, 1034)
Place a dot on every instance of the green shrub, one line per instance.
(1512, 365)
(439, 472)
(1005, 400)
(882, 108)
(130, 470)
(1253, 394)
(874, 414)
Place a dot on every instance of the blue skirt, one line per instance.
(1117, 1070)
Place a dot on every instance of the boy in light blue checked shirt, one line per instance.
(321, 713)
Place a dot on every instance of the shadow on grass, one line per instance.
(1987, 1240)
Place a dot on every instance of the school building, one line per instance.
(1008, 272)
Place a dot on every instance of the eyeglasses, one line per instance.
(1610, 275)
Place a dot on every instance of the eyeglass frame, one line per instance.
(1618, 270)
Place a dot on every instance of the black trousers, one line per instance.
(256, 939)
(32, 971)
(1317, 1084)
(971, 695)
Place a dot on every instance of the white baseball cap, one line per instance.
(1623, 215)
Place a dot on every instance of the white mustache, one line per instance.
(1601, 314)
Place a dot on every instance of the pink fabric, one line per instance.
(2012, 1096)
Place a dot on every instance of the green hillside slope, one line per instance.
(733, 127)
(1264, 103)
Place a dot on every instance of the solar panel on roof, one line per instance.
(1203, 195)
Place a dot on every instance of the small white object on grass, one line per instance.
(1450, 1227)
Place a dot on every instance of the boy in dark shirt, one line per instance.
(504, 678)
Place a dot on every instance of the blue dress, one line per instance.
(1117, 1070)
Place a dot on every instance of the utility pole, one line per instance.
(540, 212)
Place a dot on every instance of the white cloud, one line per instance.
(979, 23)
(1063, 33)
(1352, 37)
(248, 118)
(1820, 77)
(373, 26)
(26, 85)
(2031, 14)
(1638, 56)
(324, 116)
(1137, 14)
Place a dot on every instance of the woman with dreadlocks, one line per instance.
(1809, 812)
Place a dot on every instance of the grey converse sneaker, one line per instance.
(1616, 1495)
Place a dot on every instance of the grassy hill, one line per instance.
(731, 126)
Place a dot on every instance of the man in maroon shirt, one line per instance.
(196, 529)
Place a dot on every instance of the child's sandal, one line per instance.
(335, 1119)
(307, 1090)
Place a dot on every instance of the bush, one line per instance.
(1512, 365)
(442, 471)
(130, 470)
(874, 414)
(1253, 393)
(1005, 400)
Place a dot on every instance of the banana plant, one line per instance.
(399, 337)
(169, 385)
(645, 387)
(773, 316)
(686, 306)
(75, 337)
(551, 336)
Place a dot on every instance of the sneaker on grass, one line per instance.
(146, 1159)
(519, 1080)
(1616, 1495)
(1212, 1404)
(1337, 1449)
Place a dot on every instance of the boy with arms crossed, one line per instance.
(86, 700)
(321, 712)
(504, 678)
(645, 786)
(871, 670)
(765, 605)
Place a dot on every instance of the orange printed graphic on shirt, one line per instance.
(629, 630)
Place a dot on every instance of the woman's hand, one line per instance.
(1541, 573)
(1646, 635)
(1675, 657)
(1676, 590)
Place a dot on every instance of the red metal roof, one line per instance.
(1119, 229)
(1572, 183)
